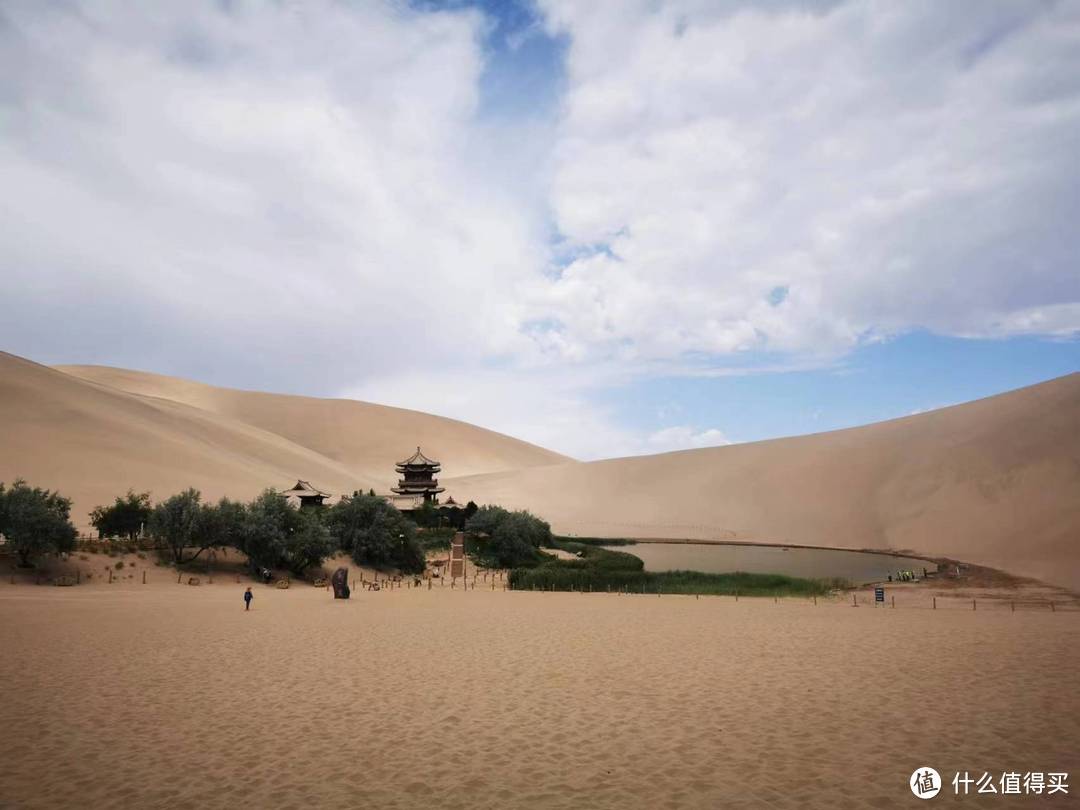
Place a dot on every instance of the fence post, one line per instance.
(894, 602)
(854, 603)
(973, 604)
(144, 576)
(935, 603)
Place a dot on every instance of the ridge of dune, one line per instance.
(92, 443)
(995, 482)
(363, 436)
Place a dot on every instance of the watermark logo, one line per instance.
(925, 783)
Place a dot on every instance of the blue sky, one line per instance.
(609, 228)
(913, 373)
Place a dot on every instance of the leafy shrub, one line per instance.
(374, 533)
(35, 521)
(125, 518)
(507, 539)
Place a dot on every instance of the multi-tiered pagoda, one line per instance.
(418, 478)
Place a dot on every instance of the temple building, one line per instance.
(304, 494)
(418, 479)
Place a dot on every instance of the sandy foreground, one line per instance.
(173, 696)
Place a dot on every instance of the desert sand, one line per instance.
(994, 482)
(173, 696)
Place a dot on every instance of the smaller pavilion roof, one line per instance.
(304, 489)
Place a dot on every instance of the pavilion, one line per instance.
(304, 494)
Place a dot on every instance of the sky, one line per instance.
(609, 228)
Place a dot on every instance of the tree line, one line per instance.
(270, 532)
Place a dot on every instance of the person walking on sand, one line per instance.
(248, 596)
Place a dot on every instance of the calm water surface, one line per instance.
(812, 563)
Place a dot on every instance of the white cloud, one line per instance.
(306, 197)
(290, 192)
(889, 166)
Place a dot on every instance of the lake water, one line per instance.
(812, 563)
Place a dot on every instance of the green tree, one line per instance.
(262, 536)
(125, 518)
(221, 524)
(179, 524)
(35, 521)
(375, 533)
(307, 541)
(485, 519)
(508, 539)
(470, 509)
(427, 516)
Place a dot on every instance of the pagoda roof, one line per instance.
(304, 489)
(418, 459)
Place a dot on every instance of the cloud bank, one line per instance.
(315, 197)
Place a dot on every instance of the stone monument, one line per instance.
(340, 581)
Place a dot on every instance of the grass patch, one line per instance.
(599, 569)
(571, 577)
(595, 541)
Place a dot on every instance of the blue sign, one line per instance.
(879, 594)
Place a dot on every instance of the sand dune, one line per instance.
(93, 443)
(996, 482)
(95, 433)
(364, 437)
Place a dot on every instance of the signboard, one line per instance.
(879, 595)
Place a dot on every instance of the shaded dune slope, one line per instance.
(996, 482)
(364, 437)
(92, 443)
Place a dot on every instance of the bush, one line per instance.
(35, 521)
(307, 541)
(179, 524)
(507, 539)
(261, 535)
(374, 533)
(427, 516)
(125, 518)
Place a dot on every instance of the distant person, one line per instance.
(248, 596)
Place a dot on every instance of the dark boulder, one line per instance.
(340, 581)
